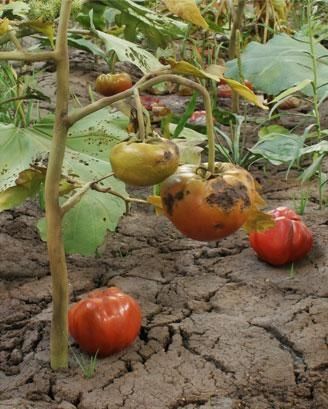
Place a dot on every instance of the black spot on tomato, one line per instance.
(169, 200)
(167, 155)
(226, 196)
(219, 226)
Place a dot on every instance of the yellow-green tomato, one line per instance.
(144, 163)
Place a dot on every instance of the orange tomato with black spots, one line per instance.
(209, 207)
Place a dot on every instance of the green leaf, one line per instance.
(188, 143)
(280, 64)
(94, 134)
(312, 169)
(128, 51)
(158, 29)
(279, 148)
(320, 147)
(267, 131)
(186, 115)
(86, 45)
(86, 225)
(17, 8)
(23, 158)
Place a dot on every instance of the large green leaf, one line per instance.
(159, 30)
(280, 64)
(23, 158)
(279, 148)
(93, 135)
(128, 51)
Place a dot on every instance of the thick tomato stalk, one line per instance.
(289, 240)
(105, 322)
(206, 207)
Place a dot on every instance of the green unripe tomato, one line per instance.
(144, 163)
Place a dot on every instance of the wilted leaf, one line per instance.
(245, 92)
(43, 27)
(156, 201)
(4, 26)
(258, 221)
(27, 185)
(187, 10)
(185, 68)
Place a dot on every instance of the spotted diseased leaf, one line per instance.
(187, 10)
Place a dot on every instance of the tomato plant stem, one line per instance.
(57, 260)
(316, 112)
(140, 117)
(27, 56)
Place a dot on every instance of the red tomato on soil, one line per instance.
(289, 240)
(106, 322)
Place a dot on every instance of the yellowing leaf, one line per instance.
(27, 185)
(156, 201)
(245, 92)
(185, 68)
(187, 10)
(43, 27)
(280, 7)
(216, 70)
(258, 221)
(4, 26)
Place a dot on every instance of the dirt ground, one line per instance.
(220, 330)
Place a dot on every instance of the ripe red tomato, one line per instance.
(208, 208)
(111, 84)
(144, 163)
(106, 322)
(289, 240)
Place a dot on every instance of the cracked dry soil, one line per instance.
(221, 329)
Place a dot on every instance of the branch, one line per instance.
(27, 56)
(106, 101)
(126, 199)
(74, 199)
